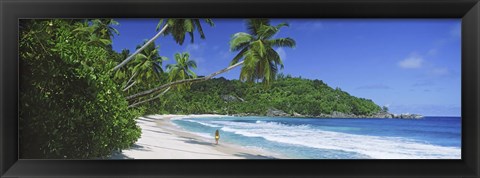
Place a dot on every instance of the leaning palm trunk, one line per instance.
(140, 49)
(178, 82)
(151, 99)
(128, 84)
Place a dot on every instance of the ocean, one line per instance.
(327, 138)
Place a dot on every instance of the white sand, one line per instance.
(161, 139)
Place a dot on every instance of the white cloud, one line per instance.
(412, 62)
(197, 51)
(424, 83)
(281, 52)
(374, 87)
(439, 72)
(427, 109)
(192, 47)
(432, 52)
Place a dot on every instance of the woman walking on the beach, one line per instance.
(217, 136)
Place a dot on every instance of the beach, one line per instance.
(161, 139)
(257, 137)
(335, 138)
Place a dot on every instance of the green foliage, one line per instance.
(182, 69)
(261, 61)
(178, 28)
(384, 108)
(292, 95)
(70, 105)
(145, 68)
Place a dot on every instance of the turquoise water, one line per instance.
(317, 138)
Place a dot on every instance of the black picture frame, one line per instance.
(467, 10)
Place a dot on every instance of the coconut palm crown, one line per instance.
(148, 63)
(256, 49)
(178, 28)
(182, 69)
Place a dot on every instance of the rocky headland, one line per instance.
(273, 112)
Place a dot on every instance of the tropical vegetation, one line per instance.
(293, 95)
(255, 48)
(79, 98)
(70, 107)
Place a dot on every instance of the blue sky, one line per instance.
(408, 65)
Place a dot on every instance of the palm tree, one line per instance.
(125, 53)
(147, 64)
(104, 27)
(182, 69)
(178, 28)
(99, 31)
(260, 60)
(121, 74)
(256, 48)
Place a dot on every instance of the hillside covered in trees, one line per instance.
(294, 96)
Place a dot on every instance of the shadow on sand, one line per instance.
(252, 156)
(189, 140)
(156, 131)
(243, 155)
(198, 142)
(188, 151)
(151, 118)
(146, 119)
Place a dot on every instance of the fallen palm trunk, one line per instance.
(140, 49)
(178, 82)
(151, 99)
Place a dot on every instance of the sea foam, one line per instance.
(375, 147)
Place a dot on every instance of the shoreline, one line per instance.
(161, 139)
(335, 115)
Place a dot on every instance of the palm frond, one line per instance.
(240, 40)
(192, 64)
(192, 74)
(239, 56)
(259, 48)
(210, 22)
(140, 57)
(159, 25)
(253, 25)
(178, 28)
(282, 42)
(199, 28)
(266, 32)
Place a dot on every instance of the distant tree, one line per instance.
(384, 108)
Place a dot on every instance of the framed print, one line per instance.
(207, 88)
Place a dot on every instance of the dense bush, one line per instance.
(70, 107)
